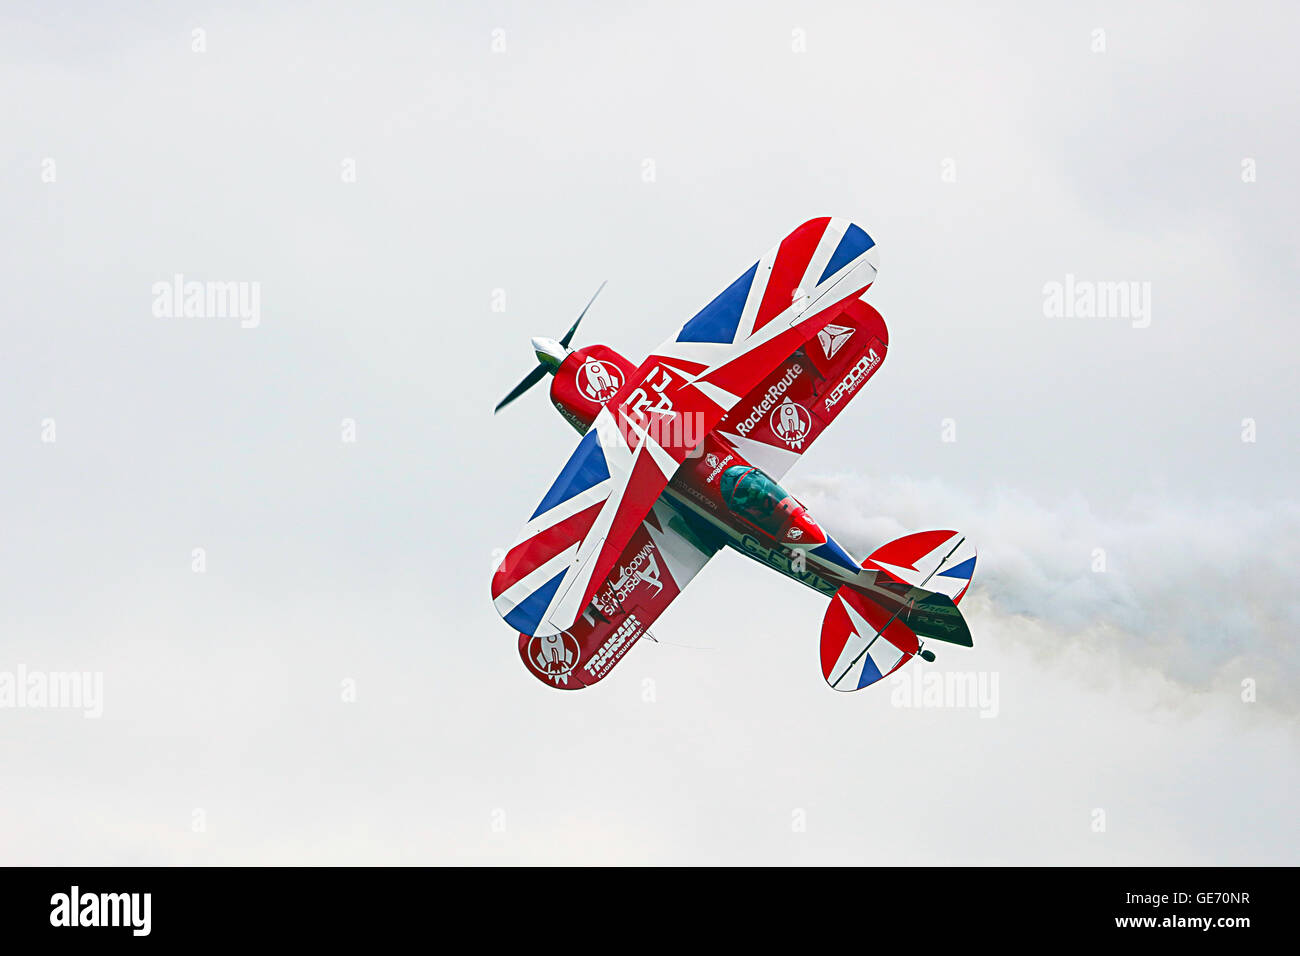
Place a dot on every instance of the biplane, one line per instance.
(683, 455)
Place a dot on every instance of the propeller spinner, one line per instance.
(550, 354)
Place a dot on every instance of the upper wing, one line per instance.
(785, 413)
(663, 556)
(663, 413)
(774, 307)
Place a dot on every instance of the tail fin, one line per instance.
(874, 627)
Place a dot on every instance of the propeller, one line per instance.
(550, 354)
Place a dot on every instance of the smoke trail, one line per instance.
(1204, 593)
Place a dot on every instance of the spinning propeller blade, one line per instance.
(537, 374)
(568, 336)
(531, 379)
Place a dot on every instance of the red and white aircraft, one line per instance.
(682, 455)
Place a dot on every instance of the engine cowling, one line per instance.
(586, 381)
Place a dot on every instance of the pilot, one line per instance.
(751, 496)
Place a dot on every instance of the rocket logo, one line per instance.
(554, 656)
(791, 423)
(599, 381)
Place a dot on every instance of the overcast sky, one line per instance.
(416, 189)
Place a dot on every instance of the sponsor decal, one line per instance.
(572, 418)
(638, 403)
(791, 423)
(555, 656)
(599, 381)
(770, 398)
(718, 466)
(711, 460)
(642, 568)
(833, 337)
(614, 648)
(699, 496)
(796, 534)
(855, 377)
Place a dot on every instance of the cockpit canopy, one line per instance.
(749, 492)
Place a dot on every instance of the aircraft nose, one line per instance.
(548, 351)
(804, 531)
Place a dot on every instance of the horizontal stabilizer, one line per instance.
(909, 592)
(937, 618)
(939, 561)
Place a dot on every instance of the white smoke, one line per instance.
(1203, 593)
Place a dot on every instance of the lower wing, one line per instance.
(661, 558)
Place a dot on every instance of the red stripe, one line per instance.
(792, 258)
(643, 488)
(748, 369)
(835, 634)
(527, 556)
(904, 552)
(682, 365)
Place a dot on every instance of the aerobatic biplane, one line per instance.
(682, 455)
